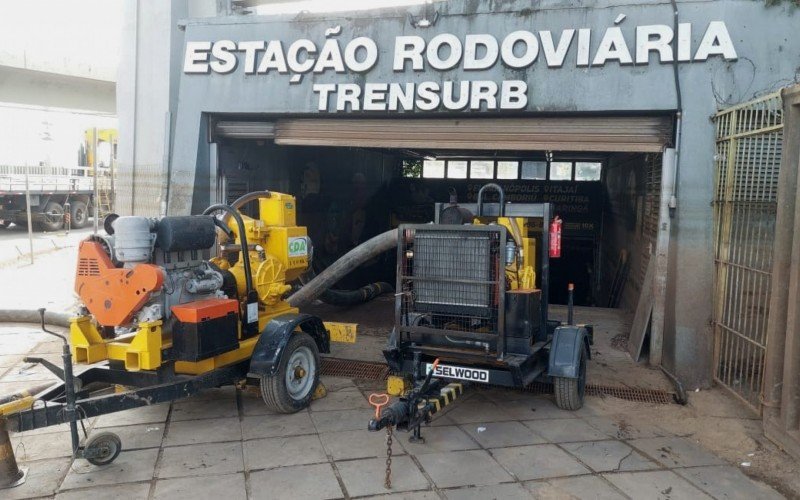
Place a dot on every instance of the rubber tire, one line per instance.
(570, 392)
(108, 439)
(273, 387)
(48, 225)
(76, 220)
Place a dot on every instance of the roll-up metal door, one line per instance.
(244, 130)
(606, 134)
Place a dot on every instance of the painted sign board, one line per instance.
(442, 52)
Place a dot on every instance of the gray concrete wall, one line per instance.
(147, 92)
(764, 37)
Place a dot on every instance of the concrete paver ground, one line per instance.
(225, 444)
(492, 444)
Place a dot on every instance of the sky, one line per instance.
(333, 6)
(76, 37)
(77, 33)
(29, 136)
(82, 37)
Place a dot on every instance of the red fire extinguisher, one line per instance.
(555, 237)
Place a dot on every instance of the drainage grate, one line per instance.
(348, 368)
(365, 370)
(638, 395)
(632, 394)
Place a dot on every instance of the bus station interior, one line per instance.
(608, 202)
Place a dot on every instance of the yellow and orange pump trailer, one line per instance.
(175, 305)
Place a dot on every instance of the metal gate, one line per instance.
(748, 155)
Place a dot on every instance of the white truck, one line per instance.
(53, 191)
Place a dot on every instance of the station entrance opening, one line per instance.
(355, 178)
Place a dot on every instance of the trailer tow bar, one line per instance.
(407, 413)
(100, 449)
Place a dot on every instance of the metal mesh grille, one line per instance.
(363, 370)
(453, 272)
(749, 147)
(140, 189)
(639, 395)
(451, 279)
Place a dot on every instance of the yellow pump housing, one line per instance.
(279, 249)
(521, 275)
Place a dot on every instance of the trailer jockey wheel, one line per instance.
(292, 386)
(570, 392)
(103, 448)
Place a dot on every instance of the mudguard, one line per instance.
(565, 351)
(270, 345)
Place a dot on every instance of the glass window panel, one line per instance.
(433, 169)
(412, 168)
(561, 171)
(507, 169)
(587, 171)
(534, 170)
(481, 169)
(457, 169)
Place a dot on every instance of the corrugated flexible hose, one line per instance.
(344, 298)
(320, 285)
(32, 316)
(344, 265)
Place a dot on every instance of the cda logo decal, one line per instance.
(298, 247)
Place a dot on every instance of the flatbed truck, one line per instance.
(54, 192)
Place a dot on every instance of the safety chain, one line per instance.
(388, 481)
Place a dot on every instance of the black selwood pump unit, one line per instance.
(472, 307)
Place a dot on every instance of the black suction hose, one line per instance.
(333, 297)
(245, 199)
(346, 298)
(345, 264)
(224, 227)
(242, 240)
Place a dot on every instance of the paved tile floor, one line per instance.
(224, 444)
(187, 450)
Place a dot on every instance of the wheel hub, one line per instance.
(300, 373)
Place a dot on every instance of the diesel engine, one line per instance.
(204, 297)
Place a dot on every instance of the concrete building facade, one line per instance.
(187, 69)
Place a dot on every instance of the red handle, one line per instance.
(378, 400)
